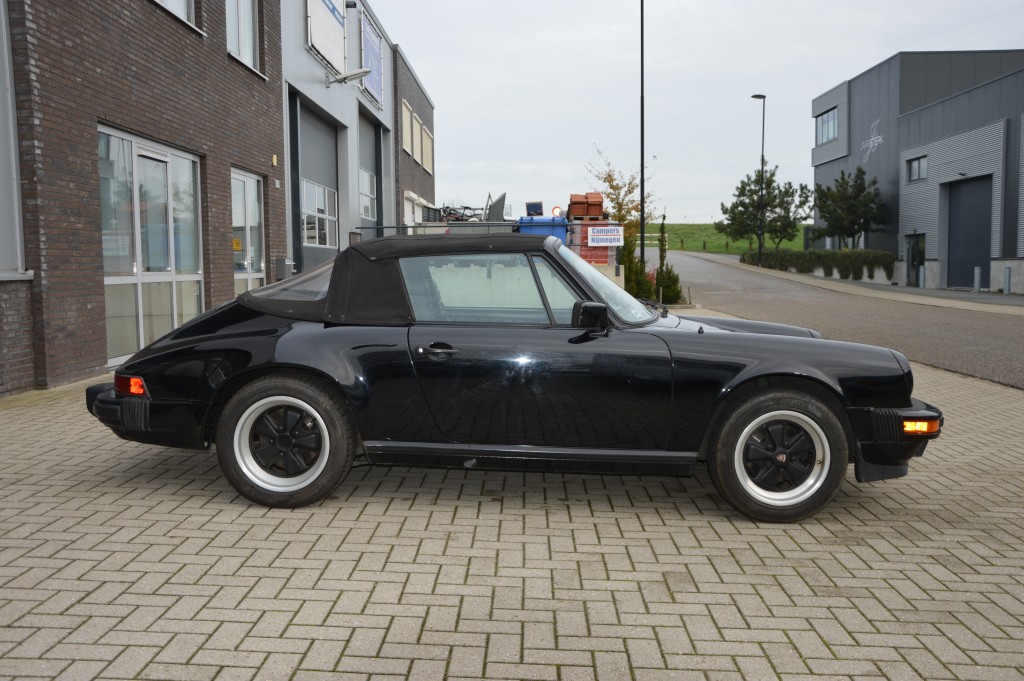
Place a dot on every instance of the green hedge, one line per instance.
(850, 264)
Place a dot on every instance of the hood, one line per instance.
(749, 326)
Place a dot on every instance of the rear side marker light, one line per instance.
(915, 427)
(130, 385)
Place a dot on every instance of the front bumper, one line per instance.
(169, 423)
(883, 450)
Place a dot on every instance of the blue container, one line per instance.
(557, 227)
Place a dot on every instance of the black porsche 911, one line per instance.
(510, 350)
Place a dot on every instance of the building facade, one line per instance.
(147, 136)
(158, 157)
(341, 164)
(941, 131)
(414, 150)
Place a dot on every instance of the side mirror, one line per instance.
(590, 316)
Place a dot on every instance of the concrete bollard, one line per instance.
(977, 279)
(920, 276)
(1007, 276)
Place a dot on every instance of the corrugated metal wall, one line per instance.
(929, 77)
(1020, 197)
(923, 204)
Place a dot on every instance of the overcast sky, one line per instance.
(526, 91)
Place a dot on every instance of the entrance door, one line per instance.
(915, 258)
(970, 232)
(247, 231)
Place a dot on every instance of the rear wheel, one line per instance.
(285, 441)
(781, 456)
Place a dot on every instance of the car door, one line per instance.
(500, 364)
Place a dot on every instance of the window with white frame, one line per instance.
(12, 254)
(367, 194)
(406, 126)
(428, 151)
(417, 139)
(319, 208)
(151, 235)
(917, 168)
(184, 9)
(247, 236)
(243, 30)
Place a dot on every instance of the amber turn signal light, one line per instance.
(129, 385)
(914, 427)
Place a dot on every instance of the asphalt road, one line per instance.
(975, 343)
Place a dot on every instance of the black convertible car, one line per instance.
(510, 350)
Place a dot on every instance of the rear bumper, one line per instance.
(169, 423)
(883, 450)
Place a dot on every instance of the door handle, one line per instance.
(438, 350)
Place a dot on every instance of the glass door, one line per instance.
(247, 231)
(152, 263)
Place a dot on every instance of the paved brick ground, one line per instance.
(125, 561)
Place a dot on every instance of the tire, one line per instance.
(780, 456)
(285, 442)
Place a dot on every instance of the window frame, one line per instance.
(189, 18)
(417, 141)
(12, 243)
(304, 210)
(406, 127)
(428, 151)
(530, 260)
(826, 126)
(256, 28)
(145, 149)
(917, 169)
(369, 196)
(250, 275)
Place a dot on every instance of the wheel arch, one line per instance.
(736, 394)
(231, 387)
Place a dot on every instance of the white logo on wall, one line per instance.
(872, 142)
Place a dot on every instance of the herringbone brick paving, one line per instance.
(125, 561)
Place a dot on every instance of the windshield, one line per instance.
(305, 287)
(626, 307)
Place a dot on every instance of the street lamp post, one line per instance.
(760, 199)
(643, 213)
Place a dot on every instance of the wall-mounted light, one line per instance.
(342, 78)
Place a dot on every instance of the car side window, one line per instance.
(494, 288)
(560, 295)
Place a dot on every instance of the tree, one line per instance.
(785, 208)
(666, 280)
(622, 202)
(789, 208)
(850, 207)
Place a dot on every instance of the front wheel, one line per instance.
(285, 442)
(781, 456)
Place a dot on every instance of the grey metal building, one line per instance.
(347, 90)
(941, 131)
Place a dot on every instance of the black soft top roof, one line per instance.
(366, 285)
(430, 244)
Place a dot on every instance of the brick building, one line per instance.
(141, 173)
(414, 153)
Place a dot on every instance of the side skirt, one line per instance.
(525, 457)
